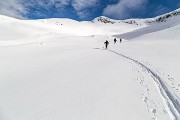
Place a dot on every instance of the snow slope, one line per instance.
(155, 24)
(157, 53)
(58, 69)
(27, 28)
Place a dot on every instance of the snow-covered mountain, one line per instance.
(99, 26)
(158, 23)
(166, 17)
(147, 21)
(63, 26)
(58, 69)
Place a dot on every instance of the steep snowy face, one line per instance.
(166, 17)
(158, 23)
(171, 16)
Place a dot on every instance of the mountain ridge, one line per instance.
(99, 26)
(139, 21)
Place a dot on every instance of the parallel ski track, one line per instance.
(171, 100)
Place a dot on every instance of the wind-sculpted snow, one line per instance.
(171, 100)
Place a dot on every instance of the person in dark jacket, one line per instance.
(106, 44)
(115, 40)
(120, 40)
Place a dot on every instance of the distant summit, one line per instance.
(104, 19)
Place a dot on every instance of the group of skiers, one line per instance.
(107, 42)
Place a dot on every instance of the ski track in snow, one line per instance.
(171, 100)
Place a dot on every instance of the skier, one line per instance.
(106, 44)
(120, 40)
(115, 40)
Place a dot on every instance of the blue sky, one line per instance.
(86, 9)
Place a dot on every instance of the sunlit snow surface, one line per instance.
(58, 69)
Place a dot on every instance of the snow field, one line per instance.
(59, 69)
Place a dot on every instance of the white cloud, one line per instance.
(12, 8)
(124, 8)
(64, 2)
(19, 8)
(60, 3)
(82, 6)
